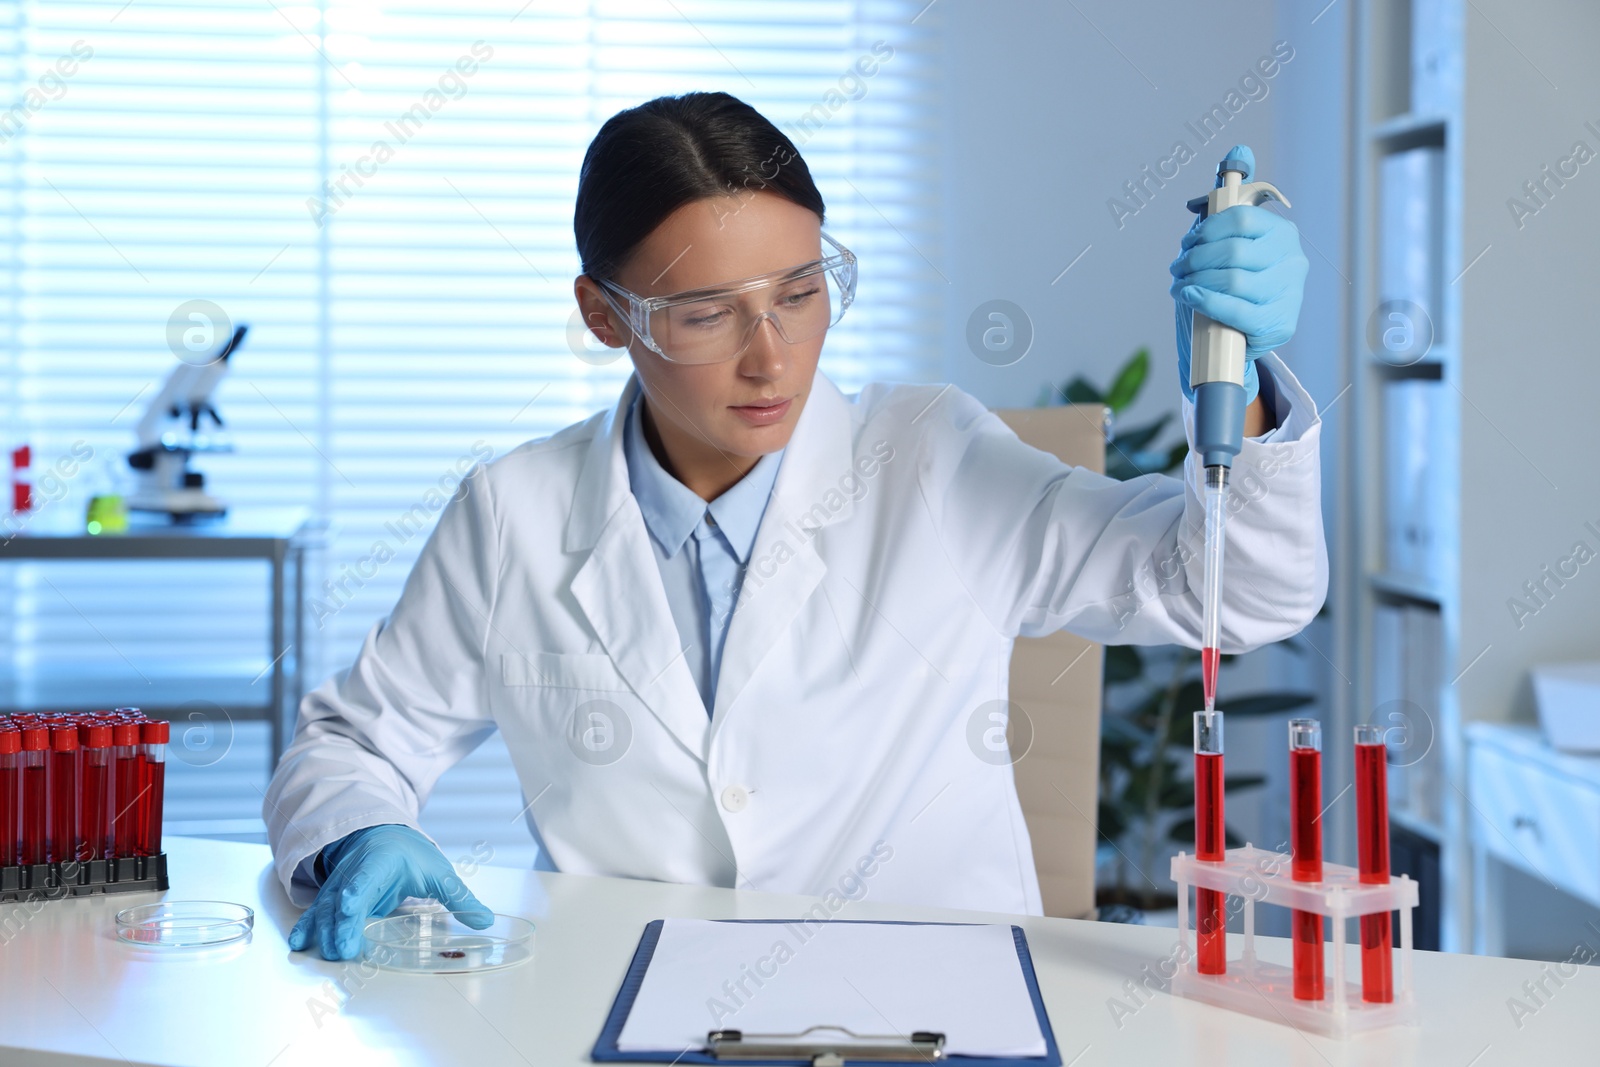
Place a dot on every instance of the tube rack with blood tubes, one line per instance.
(1383, 995)
(81, 797)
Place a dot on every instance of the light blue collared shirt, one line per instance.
(701, 549)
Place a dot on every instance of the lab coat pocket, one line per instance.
(580, 699)
(567, 670)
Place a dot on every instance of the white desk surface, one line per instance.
(73, 994)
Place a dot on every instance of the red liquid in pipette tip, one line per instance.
(1209, 659)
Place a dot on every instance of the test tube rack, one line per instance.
(77, 878)
(1266, 990)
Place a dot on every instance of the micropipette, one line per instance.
(1216, 376)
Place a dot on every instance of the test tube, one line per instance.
(154, 735)
(127, 781)
(35, 798)
(64, 836)
(10, 794)
(1211, 920)
(1372, 859)
(94, 735)
(1305, 841)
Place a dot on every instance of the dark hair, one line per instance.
(648, 161)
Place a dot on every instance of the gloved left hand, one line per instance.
(1244, 268)
(370, 871)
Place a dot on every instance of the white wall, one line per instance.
(1045, 121)
(1530, 378)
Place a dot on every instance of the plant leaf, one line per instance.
(1112, 825)
(1130, 379)
(1079, 391)
(1121, 729)
(1140, 438)
(1123, 664)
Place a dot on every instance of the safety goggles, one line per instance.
(716, 324)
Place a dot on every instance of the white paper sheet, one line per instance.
(873, 978)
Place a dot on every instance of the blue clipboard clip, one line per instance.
(921, 1046)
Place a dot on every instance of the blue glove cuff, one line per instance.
(329, 856)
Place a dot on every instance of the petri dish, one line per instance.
(185, 923)
(436, 942)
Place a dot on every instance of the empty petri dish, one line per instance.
(185, 923)
(436, 942)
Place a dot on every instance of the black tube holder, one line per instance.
(81, 878)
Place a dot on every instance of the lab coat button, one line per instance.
(735, 798)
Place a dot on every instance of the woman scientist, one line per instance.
(734, 628)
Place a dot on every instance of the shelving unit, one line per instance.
(1413, 696)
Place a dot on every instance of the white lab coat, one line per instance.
(909, 539)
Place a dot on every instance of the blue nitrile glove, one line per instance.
(1244, 268)
(370, 871)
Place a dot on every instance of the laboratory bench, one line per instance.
(75, 994)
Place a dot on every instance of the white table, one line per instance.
(73, 994)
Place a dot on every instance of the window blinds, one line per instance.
(383, 191)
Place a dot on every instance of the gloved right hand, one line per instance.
(370, 871)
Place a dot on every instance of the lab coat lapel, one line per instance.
(619, 586)
(785, 567)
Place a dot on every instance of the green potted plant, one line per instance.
(1146, 800)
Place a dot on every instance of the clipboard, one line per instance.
(769, 1050)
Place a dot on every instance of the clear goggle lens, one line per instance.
(720, 327)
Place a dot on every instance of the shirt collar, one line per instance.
(672, 510)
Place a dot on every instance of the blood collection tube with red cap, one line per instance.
(127, 779)
(1305, 842)
(10, 794)
(1372, 860)
(35, 798)
(1211, 920)
(154, 735)
(94, 736)
(63, 775)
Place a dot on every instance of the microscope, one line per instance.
(171, 432)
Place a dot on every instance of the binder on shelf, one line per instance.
(671, 1008)
(1436, 42)
(1424, 679)
(1388, 686)
(1412, 494)
(1411, 233)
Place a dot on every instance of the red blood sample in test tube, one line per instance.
(1211, 920)
(35, 797)
(10, 795)
(94, 735)
(1372, 860)
(127, 782)
(154, 735)
(1305, 829)
(64, 834)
